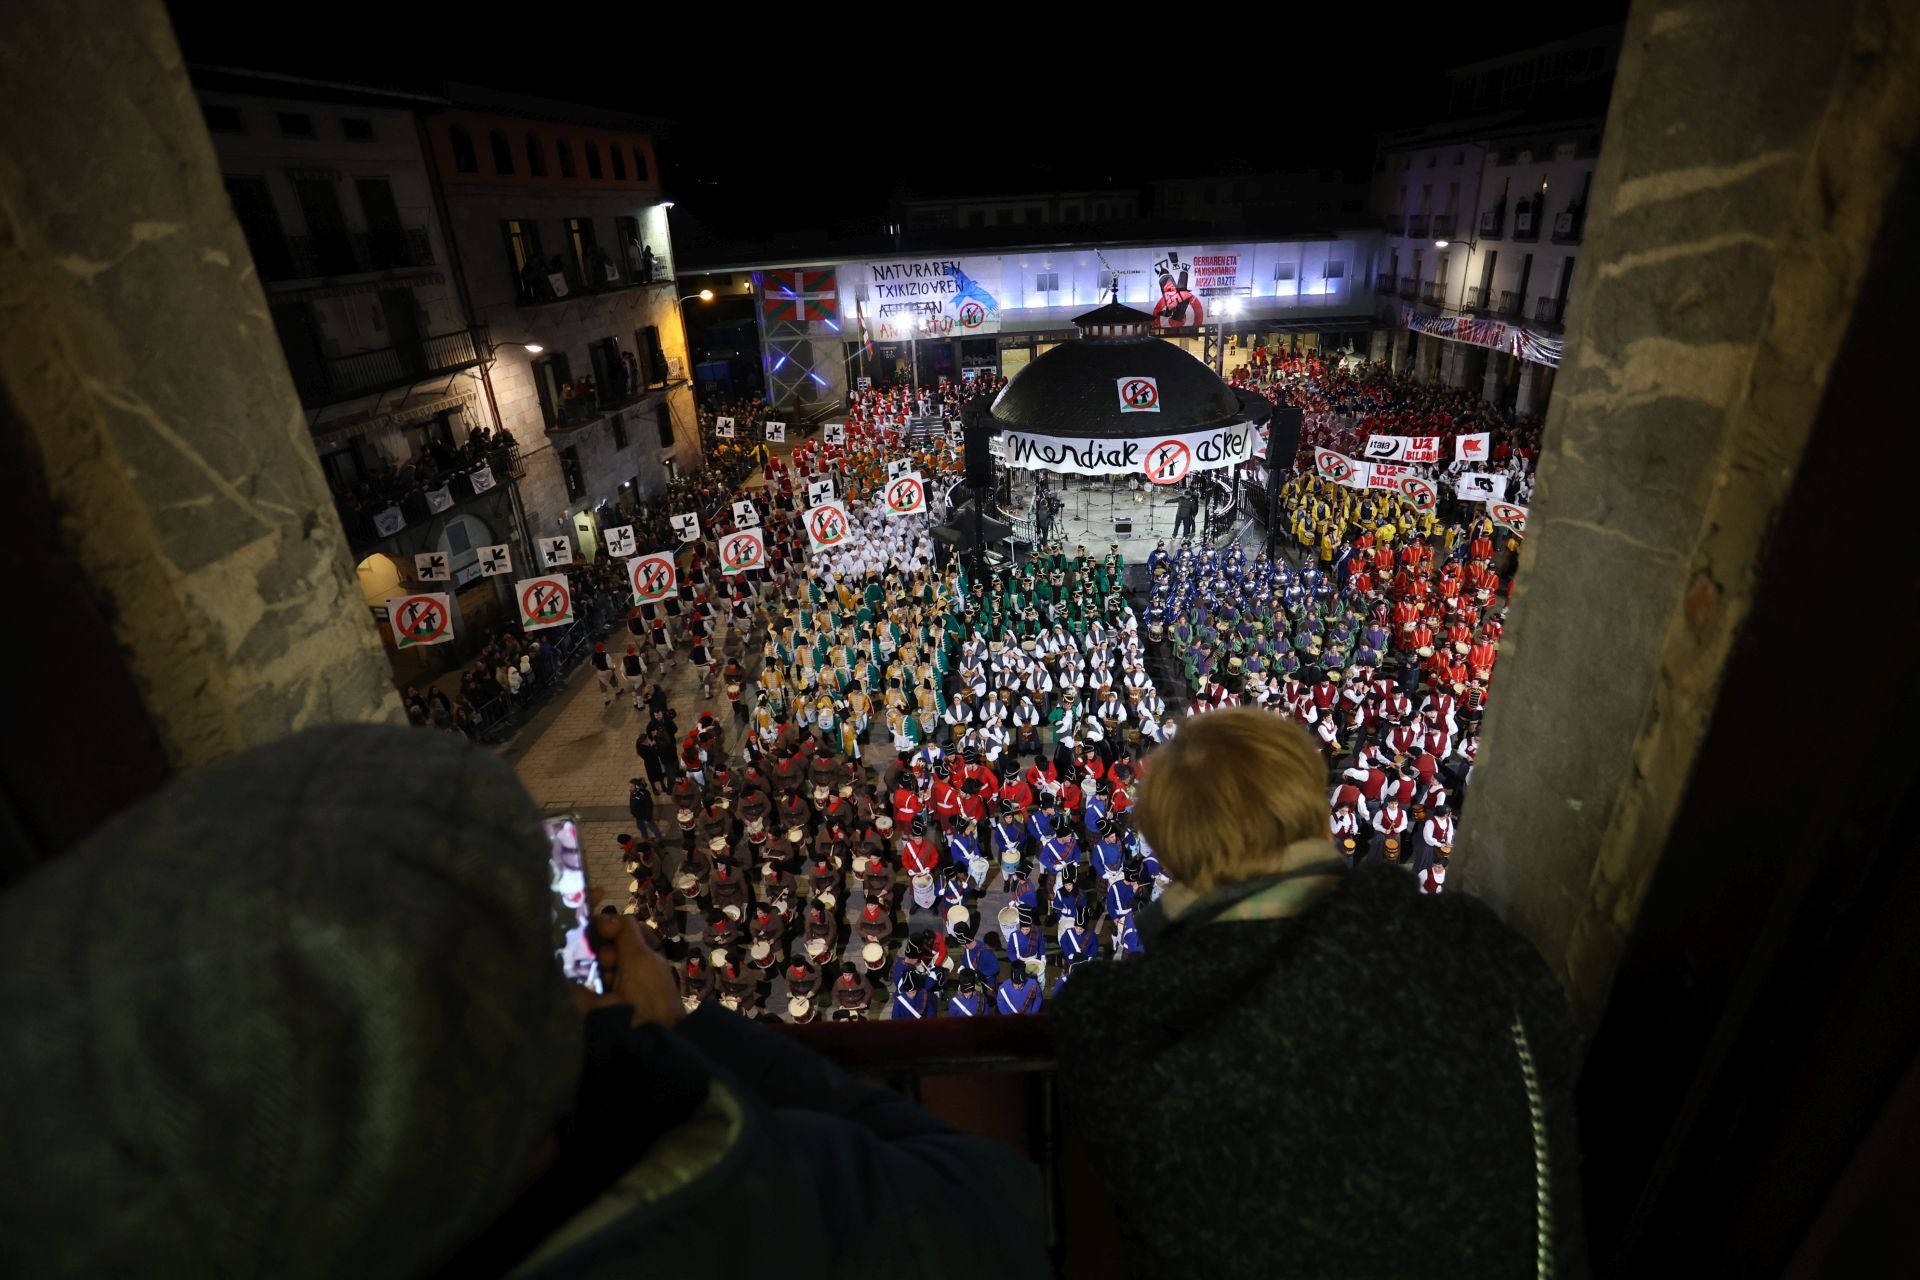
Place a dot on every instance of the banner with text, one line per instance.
(1165, 459)
(929, 297)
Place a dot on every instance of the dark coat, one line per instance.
(1336, 1093)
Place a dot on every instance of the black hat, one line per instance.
(1026, 914)
(964, 930)
(969, 980)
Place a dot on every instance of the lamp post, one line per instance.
(1472, 243)
(686, 341)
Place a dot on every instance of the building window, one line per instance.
(536, 157)
(640, 169)
(222, 119)
(460, 142)
(593, 161)
(619, 159)
(295, 124)
(570, 470)
(523, 257)
(551, 376)
(583, 246)
(663, 418)
(619, 421)
(976, 217)
(564, 150)
(1046, 281)
(356, 129)
(1335, 270)
(502, 152)
(1283, 271)
(626, 230)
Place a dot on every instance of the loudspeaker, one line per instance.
(979, 458)
(1283, 441)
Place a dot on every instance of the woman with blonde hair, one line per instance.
(1311, 1070)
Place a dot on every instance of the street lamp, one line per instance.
(1472, 243)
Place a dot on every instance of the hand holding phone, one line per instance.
(640, 976)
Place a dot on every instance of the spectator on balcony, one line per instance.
(229, 1123)
(1294, 1079)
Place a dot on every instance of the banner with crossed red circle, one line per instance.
(1510, 514)
(1341, 469)
(1138, 394)
(1419, 491)
(827, 525)
(906, 494)
(420, 620)
(742, 552)
(654, 577)
(543, 602)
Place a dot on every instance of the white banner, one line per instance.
(1340, 469)
(653, 577)
(388, 522)
(741, 552)
(420, 620)
(746, 515)
(495, 561)
(1165, 459)
(906, 494)
(828, 526)
(899, 467)
(544, 602)
(1401, 449)
(819, 491)
(776, 433)
(723, 428)
(555, 552)
(1480, 486)
(1509, 514)
(620, 542)
(1388, 475)
(439, 500)
(1472, 448)
(925, 298)
(686, 526)
(481, 478)
(432, 566)
(834, 433)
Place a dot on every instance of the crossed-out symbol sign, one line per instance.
(1168, 461)
(421, 620)
(904, 494)
(1508, 514)
(1140, 394)
(828, 526)
(654, 580)
(972, 315)
(1334, 467)
(743, 552)
(544, 600)
(1417, 491)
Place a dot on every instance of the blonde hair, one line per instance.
(1224, 799)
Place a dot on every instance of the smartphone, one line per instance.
(572, 924)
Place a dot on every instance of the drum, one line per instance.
(1009, 919)
(799, 1008)
(730, 1003)
(690, 1003)
(977, 869)
(860, 864)
(873, 955)
(828, 901)
(731, 912)
(756, 826)
(1037, 966)
(686, 883)
(1009, 861)
(923, 891)
(958, 914)
(633, 885)
(761, 953)
(815, 948)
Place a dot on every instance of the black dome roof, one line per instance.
(1074, 389)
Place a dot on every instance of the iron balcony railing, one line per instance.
(1511, 303)
(1417, 226)
(1476, 298)
(362, 373)
(1383, 283)
(1409, 287)
(1434, 293)
(1549, 310)
(1444, 225)
(358, 509)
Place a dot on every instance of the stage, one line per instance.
(1096, 511)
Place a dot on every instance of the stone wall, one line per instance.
(1749, 156)
(136, 347)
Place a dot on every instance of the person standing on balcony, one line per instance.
(1271, 1025)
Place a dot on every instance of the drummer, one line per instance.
(974, 955)
(852, 993)
(1026, 945)
(921, 858)
(968, 1000)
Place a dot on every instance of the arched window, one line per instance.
(619, 159)
(640, 170)
(465, 158)
(593, 162)
(536, 157)
(564, 150)
(502, 151)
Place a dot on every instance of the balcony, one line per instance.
(1409, 288)
(364, 373)
(1444, 225)
(407, 490)
(1476, 299)
(584, 411)
(536, 289)
(1383, 283)
(1434, 293)
(1549, 310)
(1417, 226)
(1568, 225)
(1512, 304)
(1493, 222)
(1526, 221)
(346, 253)
(1394, 224)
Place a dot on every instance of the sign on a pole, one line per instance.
(745, 514)
(686, 526)
(819, 491)
(433, 566)
(906, 494)
(496, 561)
(899, 467)
(555, 552)
(620, 542)
(776, 433)
(723, 428)
(420, 620)
(654, 577)
(742, 552)
(834, 433)
(544, 602)
(827, 525)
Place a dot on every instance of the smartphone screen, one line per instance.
(572, 929)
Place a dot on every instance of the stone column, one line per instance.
(1378, 344)
(1493, 388)
(138, 356)
(1741, 187)
(1426, 361)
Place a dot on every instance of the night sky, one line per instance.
(767, 139)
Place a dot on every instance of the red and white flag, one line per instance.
(1472, 448)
